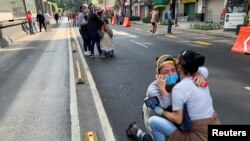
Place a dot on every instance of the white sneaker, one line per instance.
(85, 53)
(88, 52)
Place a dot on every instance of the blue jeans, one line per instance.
(95, 39)
(31, 28)
(161, 128)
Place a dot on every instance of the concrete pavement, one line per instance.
(185, 26)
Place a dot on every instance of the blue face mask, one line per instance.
(172, 79)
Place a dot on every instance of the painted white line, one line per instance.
(106, 128)
(248, 88)
(139, 43)
(75, 127)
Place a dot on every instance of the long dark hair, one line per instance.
(191, 61)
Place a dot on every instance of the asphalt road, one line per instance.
(34, 88)
(122, 81)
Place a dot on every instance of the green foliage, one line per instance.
(161, 2)
(116, 7)
(205, 26)
(54, 7)
(164, 23)
(60, 10)
(146, 19)
(246, 20)
(161, 7)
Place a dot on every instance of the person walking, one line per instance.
(74, 17)
(154, 19)
(41, 20)
(56, 16)
(47, 21)
(29, 21)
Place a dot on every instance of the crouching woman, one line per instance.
(189, 103)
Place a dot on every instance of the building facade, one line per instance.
(13, 15)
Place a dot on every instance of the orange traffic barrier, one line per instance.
(242, 43)
(113, 20)
(126, 22)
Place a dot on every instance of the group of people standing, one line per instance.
(95, 31)
(155, 19)
(42, 19)
(185, 107)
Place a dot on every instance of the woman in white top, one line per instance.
(47, 20)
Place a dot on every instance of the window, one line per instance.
(18, 8)
(236, 6)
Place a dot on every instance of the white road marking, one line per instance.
(139, 43)
(248, 88)
(107, 130)
(75, 126)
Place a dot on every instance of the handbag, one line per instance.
(186, 124)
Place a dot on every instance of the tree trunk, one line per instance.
(130, 7)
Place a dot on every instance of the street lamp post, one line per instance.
(105, 8)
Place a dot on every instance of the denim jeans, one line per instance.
(95, 39)
(161, 128)
(31, 28)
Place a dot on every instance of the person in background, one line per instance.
(34, 23)
(170, 16)
(94, 25)
(41, 20)
(74, 17)
(56, 16)
(47, 21)
(111, 16)
(154, 19)
(29, 21)
(107, 44)
(83, 29)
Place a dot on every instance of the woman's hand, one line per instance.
(199, 80)
(161, 82)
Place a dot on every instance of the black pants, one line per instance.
(169, 26)
(87, 44)
(40, 25)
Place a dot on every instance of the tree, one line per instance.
(54, 7)
(60, 10)
(116, 6)
(69, 5)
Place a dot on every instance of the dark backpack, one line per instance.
(84, 29)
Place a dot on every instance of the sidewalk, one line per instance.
(185, 26)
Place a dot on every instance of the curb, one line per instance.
(207, 33)
(197, 31)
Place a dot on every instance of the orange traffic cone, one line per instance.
(113, 20)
